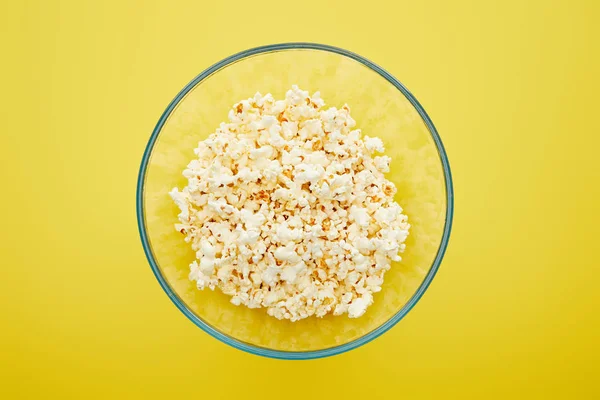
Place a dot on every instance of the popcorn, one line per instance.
(374, 144)
(308, 173)
(382, 163)
(360, 215)
(358, 306)
(287, 209)
(287, 254)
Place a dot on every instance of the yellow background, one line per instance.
(512, 88)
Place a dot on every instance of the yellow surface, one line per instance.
(379, 109)
(512, 88)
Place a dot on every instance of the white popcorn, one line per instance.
(308, 173)
(292, 158)
(287, 209)
(360, 215)
(284, 234)
(318, 158)
(382, 163)
(362, 263)
(273, 169)
(290, 274)
(261, 152)
(248, 237)
(252, 220)
(180, 199)
(374, 144)
(270, 275)
(287, 254)
(358, 307)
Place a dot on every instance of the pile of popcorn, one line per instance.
(287, 208)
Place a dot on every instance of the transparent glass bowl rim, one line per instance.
(294, 355)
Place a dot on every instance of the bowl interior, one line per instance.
(379, 108)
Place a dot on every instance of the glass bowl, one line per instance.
(382, 107)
